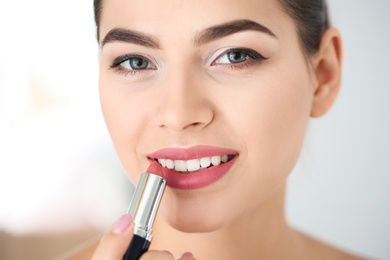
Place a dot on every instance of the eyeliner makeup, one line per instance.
(143, 208)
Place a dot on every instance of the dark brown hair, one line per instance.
(310, 16)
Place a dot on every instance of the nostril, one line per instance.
(195, 124)
(179, 127)
(186, 119)
(184, 108)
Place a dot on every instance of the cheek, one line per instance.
(124, 120)
(271, 126)
(274, 123)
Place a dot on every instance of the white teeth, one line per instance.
(224, 158)
(180, 166)
(169, 164)
(162, 162)
(216, 160)
(205, 162)
(194, 164)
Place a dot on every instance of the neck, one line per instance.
(262, 234)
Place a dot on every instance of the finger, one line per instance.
(154, 255)
(114, 244)
(187, 256)
(165, 255)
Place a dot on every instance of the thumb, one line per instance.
(114, 244)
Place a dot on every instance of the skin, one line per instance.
(190, 96)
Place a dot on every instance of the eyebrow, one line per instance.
(226, 29)
(203, 37)
(130, 36)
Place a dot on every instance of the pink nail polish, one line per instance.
(188, 255)
(122, 224)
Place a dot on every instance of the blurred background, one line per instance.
(61, 183)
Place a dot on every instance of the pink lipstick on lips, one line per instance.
(195, 167)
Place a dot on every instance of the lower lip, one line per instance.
(198, 179)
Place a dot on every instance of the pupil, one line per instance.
(236, 57)
(138, 63)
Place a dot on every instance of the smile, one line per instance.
(193, 165)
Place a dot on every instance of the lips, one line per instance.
(195, 167)
(188, 166)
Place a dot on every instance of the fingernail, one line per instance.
(122, 224)
(188, 255)
(169, 253)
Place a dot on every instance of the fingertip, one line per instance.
(187, 255)
(169, 254)
(113, 244)
(156, 254)
(122, 224)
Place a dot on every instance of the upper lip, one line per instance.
(195, 152)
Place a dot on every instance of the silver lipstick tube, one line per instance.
(145, 202)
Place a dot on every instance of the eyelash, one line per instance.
(117, 64)
(251, 57)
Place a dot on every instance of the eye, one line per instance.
(233, 57)
(237, 56)
(132, 62)
(136, 64)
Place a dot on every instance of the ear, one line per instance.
(327, 68)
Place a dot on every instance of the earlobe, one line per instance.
(327, 68)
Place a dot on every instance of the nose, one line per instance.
(184, 103)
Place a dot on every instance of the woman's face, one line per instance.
(185, 81)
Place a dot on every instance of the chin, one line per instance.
(193, 223)
(193, 227)
(194, 212)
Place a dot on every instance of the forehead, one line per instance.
(186, 17)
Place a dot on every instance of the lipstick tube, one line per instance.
(143, 208)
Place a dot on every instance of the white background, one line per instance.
(58, 170)
(342, 190)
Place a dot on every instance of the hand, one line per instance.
(114, 244)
